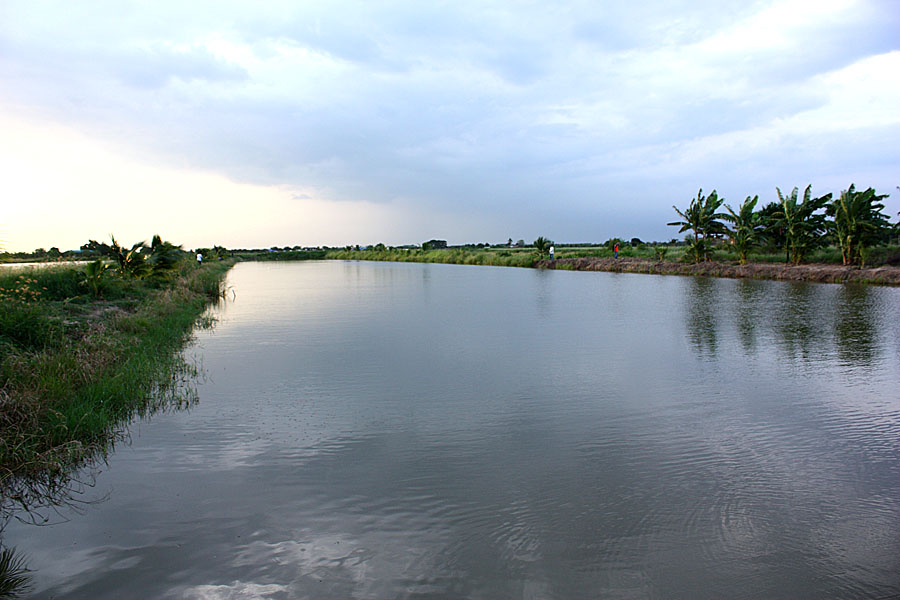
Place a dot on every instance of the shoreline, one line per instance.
(814, 273)
(85, 369)
(778, 271)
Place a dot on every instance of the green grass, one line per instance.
(74, 369)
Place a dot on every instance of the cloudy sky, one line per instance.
(281, 123)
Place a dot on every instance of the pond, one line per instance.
(391, 430)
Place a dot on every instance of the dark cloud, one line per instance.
(466, 107)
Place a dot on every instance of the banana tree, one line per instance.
(803, 225)
(746, 227)
(858, 223)
(703, 221)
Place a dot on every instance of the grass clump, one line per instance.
(14, 578)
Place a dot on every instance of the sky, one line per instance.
(331, 123)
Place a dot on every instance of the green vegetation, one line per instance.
(802, 223)
(82, 350)
(858, 224)
(801, 229)
(703, 221)
(502, 257)
(265, 255)
(542, 245)
(747, 227)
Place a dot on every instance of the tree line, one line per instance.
(854, 222)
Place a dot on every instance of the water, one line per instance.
(382, 430)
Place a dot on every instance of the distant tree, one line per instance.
(509, 243)
(54, 252)
(95, 248)
(39, 253)
(804, 226)
(858, 223)
(635, 242)
(746, 226)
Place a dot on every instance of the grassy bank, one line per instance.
(513, 257)
(819, 273)
(77, 362)
(279, 256)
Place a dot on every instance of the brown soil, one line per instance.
(822, 273)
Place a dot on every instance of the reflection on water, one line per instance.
(799, 316)
(809, 324)
(855, 329)
(402, 430)
(45, 497)
(701, 305)
(750, 309)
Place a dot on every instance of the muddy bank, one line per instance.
(821, 273)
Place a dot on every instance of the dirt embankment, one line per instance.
(821, 273)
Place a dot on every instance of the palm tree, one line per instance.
(747, 225)
(703, 221)
(130, 262)
(803, 226)
(93, 275)
(164, 256)
(858, 223)
(542, 245)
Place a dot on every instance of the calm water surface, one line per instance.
(382, 430)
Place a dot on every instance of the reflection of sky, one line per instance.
(479, 432)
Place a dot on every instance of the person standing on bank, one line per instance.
(199, 259)
(551, 252)
(616, 251)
